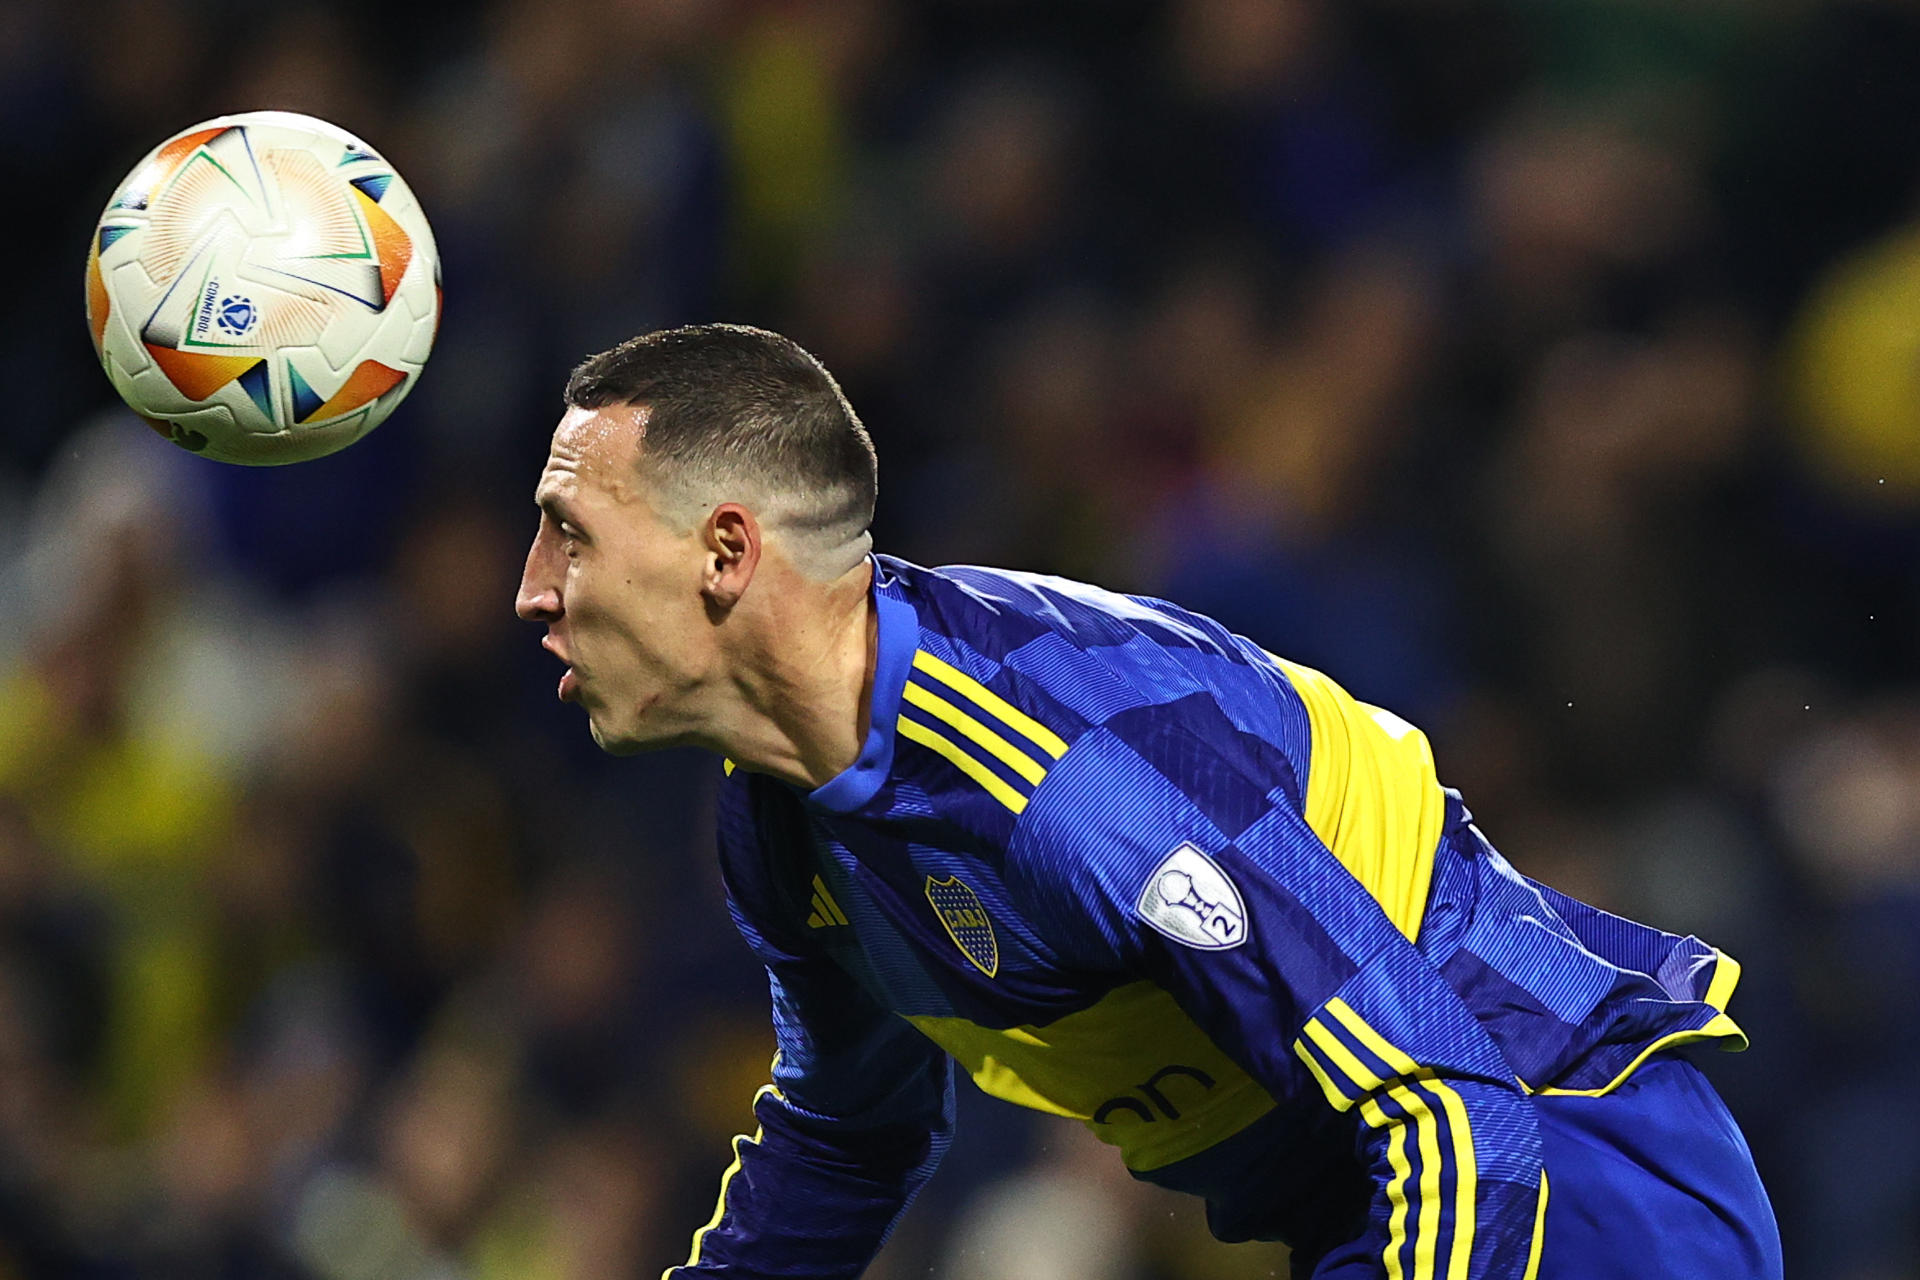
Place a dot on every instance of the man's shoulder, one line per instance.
(1074, 639)
(1042, 661)
(996, 611)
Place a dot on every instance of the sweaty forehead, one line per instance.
(595, 448)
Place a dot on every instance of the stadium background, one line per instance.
(1547, 370)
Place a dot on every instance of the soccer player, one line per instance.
(1116, 862)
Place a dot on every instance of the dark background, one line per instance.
(1546, 370)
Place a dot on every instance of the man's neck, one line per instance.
(807, 693)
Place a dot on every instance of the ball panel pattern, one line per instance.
(271, 267)
(98, 302)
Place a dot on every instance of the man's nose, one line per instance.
(538, 599)
(542, 605)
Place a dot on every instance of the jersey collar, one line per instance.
(898, 635)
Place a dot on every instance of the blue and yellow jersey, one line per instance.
(1126, 867)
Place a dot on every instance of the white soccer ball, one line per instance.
(263, 288)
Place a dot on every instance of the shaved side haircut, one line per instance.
(737, 414)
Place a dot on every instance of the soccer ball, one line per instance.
(263, 288)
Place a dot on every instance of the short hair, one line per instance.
(736, 413)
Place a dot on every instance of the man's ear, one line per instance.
(732, 539)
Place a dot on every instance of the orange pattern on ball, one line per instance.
(390, 245)
(197, 376)
(368, 382)
(98, 300)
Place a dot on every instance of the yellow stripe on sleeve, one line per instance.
(1719, 1027)
(1396, 1186)
(992, 703)
(1008, 754)
(740, 1142)
(1343, 1058)
(1426, 1232)
(1426, 1124)
(1336, 1099)
(1393, 1057)
(720, 1207)
(1720, 988)
(1726, 976)
(1428, 1241)
(1466, 1179)
(996, 786)
(1539, 1231)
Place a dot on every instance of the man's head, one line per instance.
(687, 461)
(736, 414)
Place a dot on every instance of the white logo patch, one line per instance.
(1189, 898)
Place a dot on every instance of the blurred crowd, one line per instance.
(1546, 370)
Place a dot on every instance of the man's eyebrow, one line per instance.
(555, 508)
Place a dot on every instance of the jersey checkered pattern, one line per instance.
(1126, 867)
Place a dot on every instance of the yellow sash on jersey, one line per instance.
(1133, 1067)
(1372, 795)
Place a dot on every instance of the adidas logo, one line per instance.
(826, 912)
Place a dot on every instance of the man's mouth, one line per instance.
(569, 685)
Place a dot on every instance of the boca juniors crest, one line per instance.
(966, 922)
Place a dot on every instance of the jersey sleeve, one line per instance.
(1176, 848)
(857, 1114)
